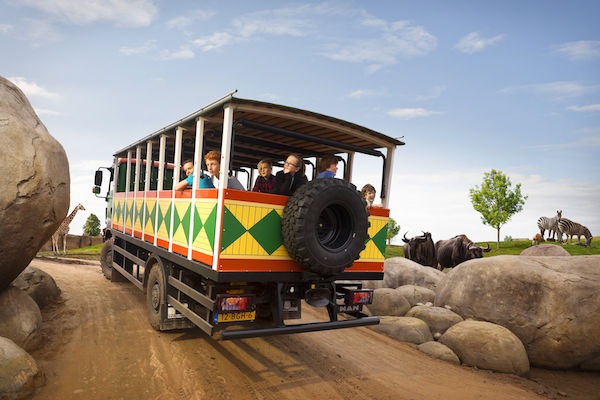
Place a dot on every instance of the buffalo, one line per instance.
(420, 249)
(456, 250)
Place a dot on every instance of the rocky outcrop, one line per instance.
(545, 250)
(404, 329)
(19, 373)
(416, 294)
(399, 271)
(21, 318)
(388, 302)
(37, 284)
(34, 177)
(439, 351)
(438, 319)
(488, 346)
(550, 303)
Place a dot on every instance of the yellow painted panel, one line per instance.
(149, 227)
(138, 216)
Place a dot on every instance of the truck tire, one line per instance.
(155, 295)
(325, 225)
(106, 257)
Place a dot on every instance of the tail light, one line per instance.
(227, 303)
(364, 296)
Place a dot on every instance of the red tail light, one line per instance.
(234, 303)
(360, 297)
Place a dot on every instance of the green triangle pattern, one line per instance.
(176, 220)
(118, 209)
(380, 238)
(168, 219)
(267, 232)
(161, 217)
(186, 222)
(209, 226)
(197, 224)
(232, 229)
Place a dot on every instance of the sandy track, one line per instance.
(99, 345)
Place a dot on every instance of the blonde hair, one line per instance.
(264, 163)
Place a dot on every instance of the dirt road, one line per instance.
(99, 345)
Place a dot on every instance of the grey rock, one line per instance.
(550, 303)
(19, 373)
(440, 351)
(487, 346)
(416, 294)
(404, 329)
(399, 271)
(437, 318)
(34, 177)
(545, 250)
(21, 318)
(388, 302)
(37, 284)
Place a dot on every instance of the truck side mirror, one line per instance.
(98, 178)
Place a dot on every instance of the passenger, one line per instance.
(213, 165)
(328, 167)
(188, 169)
(368, 192)
(289, 179)
(265, 181)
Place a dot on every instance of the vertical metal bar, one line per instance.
(349, 166)
(136, 185)
(176, 170)
(127, 182)
(197, 171)
(114, 185)
(387, 177)
(147, 185)
(159, 185)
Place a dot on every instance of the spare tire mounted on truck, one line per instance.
(325, 225)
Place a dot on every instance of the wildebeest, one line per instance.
(420, 249)
(456, 250)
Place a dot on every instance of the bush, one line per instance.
(508, 238)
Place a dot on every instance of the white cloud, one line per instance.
(214, 41)
(474, 43)
(558, 90)
(360, 93)
(580, 50)
(183, 53)
(130, 13)
(184, 21)
(43, 111)
(588, 108)
(586, 142)
(436, 92)
(283, 22)
(410, 113)
(5, 28)
(32, 89)
(144, 48)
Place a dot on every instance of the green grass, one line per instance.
(86, 253)
(515, 247)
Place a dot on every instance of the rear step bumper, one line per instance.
(283, 330)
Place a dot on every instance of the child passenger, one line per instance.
(265, 181)
(368, 192)
(328, 167)
(203, 183)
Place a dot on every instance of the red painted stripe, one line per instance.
(255, 197)
(137, 234)
(242, 265)
(199, 256)
(149, 238)
(183, 250)
(162, 243)
(200, 193)
(165, 194)
(128, 231)
(379, 212)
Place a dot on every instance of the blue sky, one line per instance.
(470, 85)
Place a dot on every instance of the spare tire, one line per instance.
(325, 225)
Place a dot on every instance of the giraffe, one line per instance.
(63, 229)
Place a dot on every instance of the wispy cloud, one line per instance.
(580, 50)
(474, 42)
(360, 93)
(184, 21)
(44, 111)
(5, 28)
(32, 89)
(587, 142)
(183, 53)
(82, 12)
(558, 90)
(410, 113)
(214, 41)
(144, 48)
(435, 93)
(588, 108)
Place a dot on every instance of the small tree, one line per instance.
(392, 230)
(92, 226)
(495, 200)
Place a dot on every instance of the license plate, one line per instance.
(236, 316)
(352, 308)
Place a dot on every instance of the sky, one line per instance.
(469, 86)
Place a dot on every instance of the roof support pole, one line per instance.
(387, 177)
(197, 171)
(127, 183)
(136, 184)
(349, 166)
(176, 170)
(161, 177)
(147, 184)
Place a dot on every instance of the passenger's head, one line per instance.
(188, 167)
(368, 192)
(213, 162)
(265, 168)
(292, 164)
(328, 163)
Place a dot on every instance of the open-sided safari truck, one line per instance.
(238, 263)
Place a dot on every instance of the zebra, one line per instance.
(570, 229)
(551, 224)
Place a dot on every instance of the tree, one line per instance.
(392, 230)
(92, 226)
(495, 200)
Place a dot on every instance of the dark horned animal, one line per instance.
(456, 250)
(420, 249)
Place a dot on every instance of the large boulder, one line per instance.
(416, 294)
(545, 249)
(34, 177)
(400, 271)
(21, 318)
(404, 329)
(438, 319)
(388, 302)
(439, 351)
(19, 373)
(488, 346)
(551, 303)
(37, 284)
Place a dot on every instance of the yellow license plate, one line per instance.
(237, 316)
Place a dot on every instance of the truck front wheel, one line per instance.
(155, 296)
(106, 258)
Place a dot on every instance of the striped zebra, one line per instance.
(551, 224)
(570, 229)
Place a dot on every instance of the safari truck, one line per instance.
(237, 263)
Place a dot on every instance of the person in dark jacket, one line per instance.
(290, 178)
(265, 181)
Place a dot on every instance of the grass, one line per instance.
(515, 247)
(85, 253)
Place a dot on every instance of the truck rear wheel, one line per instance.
(106, 258)
(155, 295)
(325, 225)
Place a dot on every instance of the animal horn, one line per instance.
(487, 249)
(405, 240)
